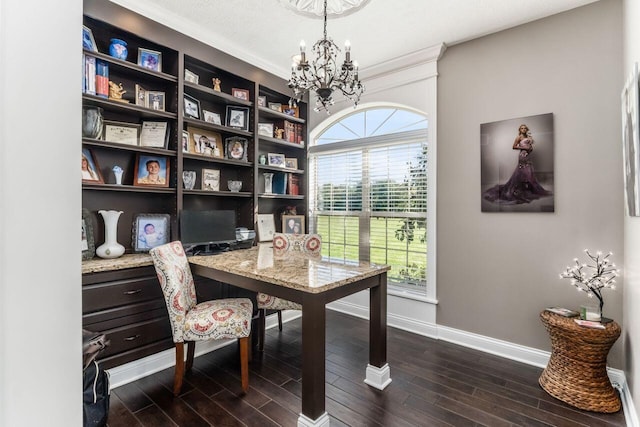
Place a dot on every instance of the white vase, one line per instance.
(110, 248)
(268, 183)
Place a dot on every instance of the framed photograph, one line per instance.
(238, 117)
(211, 179)
(191, 107)
(88, 42)
(151, 171)
(154, 134)
(266, 227)
(240, 93)
(275, 106)
(262, 101)
(631, 142)
(211, 117)
(87, 243)
(121, 133)
(291, 111)
(185, 141)
(293, 224)
(155, 100)
(149, 231)
(150, 59)
(191, 77)
(265, 129)
(275, 159)
(205, 142)
(90, 169)
(141, 96)
(291, 163)
(235, 148)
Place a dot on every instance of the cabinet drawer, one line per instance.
(136, 335)
(122, 292)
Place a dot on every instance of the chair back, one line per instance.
(307, 244)
(177, 284)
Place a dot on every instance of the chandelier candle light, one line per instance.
(322, 74)
(592, 278)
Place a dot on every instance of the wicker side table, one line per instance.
(577, 370)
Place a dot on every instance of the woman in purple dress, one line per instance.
(522, 187)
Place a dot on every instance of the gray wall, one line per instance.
(497, 271)
(631, 331)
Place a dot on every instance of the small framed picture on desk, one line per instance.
(266, 226)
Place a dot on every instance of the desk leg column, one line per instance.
(313, 364)
(378, 372)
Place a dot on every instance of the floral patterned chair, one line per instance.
(190, 321)
(285, 245)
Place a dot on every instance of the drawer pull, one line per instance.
(136, 291)
(135, 337)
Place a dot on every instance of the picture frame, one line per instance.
(630, 98)
(262, 101)
(265, 129)
(266, 227)
(90, 169)
(275, 106)
(191, 77)
(242, 94)
(238, 117)
(149, 231)
(205, 142)
(151, 171)
(121, 132)
(150, 59)
(191, 107)
(154, 134)
(211, 117)
(88, 42)
(275, 159)
(291, 163)
(235, 148)
(141, 95)
(185, 141)
(291, 111)
(210, 179)
(87, 242)
(155, 100)
(293, 224)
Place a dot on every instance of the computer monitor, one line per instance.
(207, 231)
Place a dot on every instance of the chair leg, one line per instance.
(244, 362)
(280, 320)
(191, 349)
(179, 371)
(261, 328)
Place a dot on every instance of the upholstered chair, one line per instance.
(284, 245)
(190, 321)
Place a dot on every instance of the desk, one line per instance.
(577, 370)
(312, 283)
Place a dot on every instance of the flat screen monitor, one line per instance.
(210, 228)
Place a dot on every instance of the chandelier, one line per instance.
(322, 74)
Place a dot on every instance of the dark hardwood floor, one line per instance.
(435, 383)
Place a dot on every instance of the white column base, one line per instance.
(322, 421)
(378, 377)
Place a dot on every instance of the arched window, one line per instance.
(368, 188)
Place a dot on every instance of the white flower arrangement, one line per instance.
(592, 278)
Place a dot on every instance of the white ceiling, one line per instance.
(267, 34)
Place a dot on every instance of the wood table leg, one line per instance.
(378, 373)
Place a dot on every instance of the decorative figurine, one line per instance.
(116, 91)
(279, 133)
(216, 84)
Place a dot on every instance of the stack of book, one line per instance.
(95, 76)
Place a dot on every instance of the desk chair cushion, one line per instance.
(216, 319)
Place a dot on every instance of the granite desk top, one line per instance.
(98, 265)
(296, 271)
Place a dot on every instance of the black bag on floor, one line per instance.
(95, 394)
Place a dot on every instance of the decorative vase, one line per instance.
(262, 159)
(118, 49)
(268, 183)
(110, 248)
(117, 173)
(92, 122)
